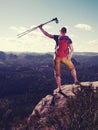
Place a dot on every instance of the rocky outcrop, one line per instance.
(52, 112)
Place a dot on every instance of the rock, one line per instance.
(8, 113)
(51, 112)
(43, 105)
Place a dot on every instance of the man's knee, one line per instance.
(71, 68)
(56, 74)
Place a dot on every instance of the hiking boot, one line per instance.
(77, 83)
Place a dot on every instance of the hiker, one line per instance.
(63, 54)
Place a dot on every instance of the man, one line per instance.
(63, 54)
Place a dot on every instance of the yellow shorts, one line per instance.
(58, 60)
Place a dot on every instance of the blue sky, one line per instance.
(79, 16)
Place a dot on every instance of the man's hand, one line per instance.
(69, 57)
(44, 32)
(70, 52)
(40, 26)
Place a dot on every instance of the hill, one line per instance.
(74, 108)
(26, 78)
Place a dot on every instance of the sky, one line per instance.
(79, 16)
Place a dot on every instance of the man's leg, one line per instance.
(57, 72)
(71, 67)
(74, 75)
(58, 81)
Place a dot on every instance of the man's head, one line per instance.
(63, 30)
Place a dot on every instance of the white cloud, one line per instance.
(27, 44)
(84, 27)
(37, 42)
(84, 47)
(32, 42)
(22, 29)
(74, 36)
(94, 42)
(13, 28)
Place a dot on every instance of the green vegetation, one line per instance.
(80, 113)
(84, 109)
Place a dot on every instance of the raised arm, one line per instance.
(45, 33)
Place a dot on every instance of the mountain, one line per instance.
(2, 56)
(58, 112)
(26, 78)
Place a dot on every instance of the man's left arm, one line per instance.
(71, 50)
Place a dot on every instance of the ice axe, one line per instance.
(30, 30)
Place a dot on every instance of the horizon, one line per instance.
(43, 53)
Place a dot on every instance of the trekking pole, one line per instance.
(32, 29)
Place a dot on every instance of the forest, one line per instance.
(26, 78)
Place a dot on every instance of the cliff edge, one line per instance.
(57, 111)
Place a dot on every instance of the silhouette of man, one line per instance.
(63, 54)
